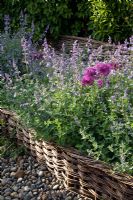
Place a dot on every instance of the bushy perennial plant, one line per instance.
(82, 99)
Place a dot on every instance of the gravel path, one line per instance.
(24, 178)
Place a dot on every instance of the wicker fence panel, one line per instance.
(107, 48)
(80, 174)
(68, 41)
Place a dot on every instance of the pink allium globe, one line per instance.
(103, 69)
(90, 71)
(87, 80)
(97, 73)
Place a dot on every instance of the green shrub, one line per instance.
(55, 13)
(111, 18)
(99, 18)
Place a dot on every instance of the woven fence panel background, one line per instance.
(68, 41)
(80, 174)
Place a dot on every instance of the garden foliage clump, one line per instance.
(82, 99)
(98, 18)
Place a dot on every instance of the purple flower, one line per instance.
(103, 68)
(36, 55)
(100, 83)
(90, 71)
(87, 80)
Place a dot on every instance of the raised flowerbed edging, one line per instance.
(80, 174)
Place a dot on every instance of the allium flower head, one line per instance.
(87, 80)
(90, 71)
(103, 68)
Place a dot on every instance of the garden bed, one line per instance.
(79, 100)
(80, 174)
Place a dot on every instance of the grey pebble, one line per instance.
(34, 181)
(35, 190)
(12, 174)
(5, 171)
(15, 188)
(26, 188)
(33, 186)
(7, 191)
(33, 171)
(43, 180)
(29, 168)
(19, 180)
(4, 181)
(1, 197)
(40, 173)
(35, 193)
(47, 181)
(68, 198)
(7, 198)
(20, 194)
(16, 199)
(75, 198)
(28, 183)
(28, 196)
(32, 177)
(36, 165)
(30, 193)
(13, 169)
(55, 187)
(27, 172)
(40, 186)
(14, 194)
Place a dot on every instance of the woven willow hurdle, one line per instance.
(68, 41)
(83, 42)
(80, 174)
